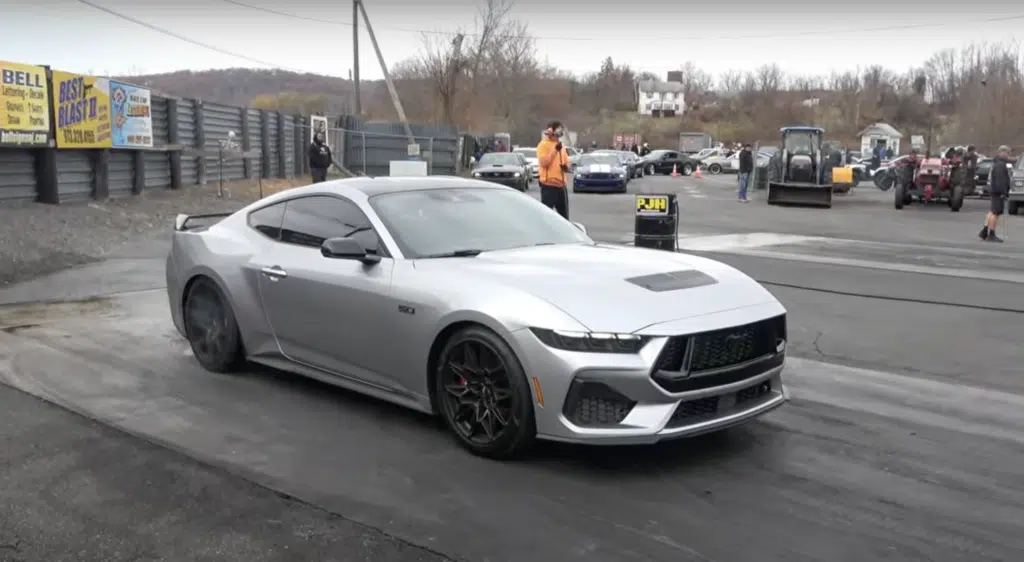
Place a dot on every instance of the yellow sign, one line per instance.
(842, 175)
(651, 205)
(81, 109)
(24, 107)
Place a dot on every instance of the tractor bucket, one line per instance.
(804, 195)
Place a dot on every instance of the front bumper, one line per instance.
(624, 405)
(516, 183)
(598, 185)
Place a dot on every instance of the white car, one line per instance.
(531, 159)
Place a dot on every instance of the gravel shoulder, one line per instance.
(77, 491)
(39, 239)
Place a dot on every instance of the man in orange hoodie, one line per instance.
(553, 164)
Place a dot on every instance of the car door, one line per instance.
(671, 160)
(332, 314)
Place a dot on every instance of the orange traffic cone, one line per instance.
(675, 172)
(696, 172)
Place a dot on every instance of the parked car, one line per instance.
(600, 172)
(1016, 188)
(469, 301)
(729, 161)
(505, 168)
(664, 161)
(633, 162)
(531, 158)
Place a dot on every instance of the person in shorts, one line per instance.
(999, 191)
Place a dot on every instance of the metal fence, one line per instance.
(190, 140)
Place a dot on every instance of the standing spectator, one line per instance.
(645, 150)
(746, 168)
(635, 149)
(553, 161)
(888, 153)
(999, 191)
(319, 158)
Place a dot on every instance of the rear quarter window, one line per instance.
(267, 221)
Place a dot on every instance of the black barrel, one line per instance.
(657, 222)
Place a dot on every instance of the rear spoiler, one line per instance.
(181, 221)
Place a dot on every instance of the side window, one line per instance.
(311, 220)
(267, 221)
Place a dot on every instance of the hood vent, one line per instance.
(673, 281)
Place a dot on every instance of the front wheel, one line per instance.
(211, 328)
(1013, 207)
(483, 395)
(650, 170)
(686, 169)
(900, 194)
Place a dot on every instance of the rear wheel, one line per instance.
(211, 328)
(956, 199)
(900, 194)
(715, 169)
(483, 394)
(650, 171)
(686, 169)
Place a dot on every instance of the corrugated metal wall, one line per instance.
(17, 175)
(255, 140)
(362, 147)
(122, 173)
(158, 164)
(218, 121)
(289, 145)
(74, 175)
(187, 136)
(274, 142)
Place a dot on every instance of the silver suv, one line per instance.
(1016, 187)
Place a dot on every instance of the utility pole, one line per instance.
(355, 57)
(387, 76)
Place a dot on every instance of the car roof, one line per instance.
(370, 186)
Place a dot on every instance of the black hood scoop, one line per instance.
(673, 281)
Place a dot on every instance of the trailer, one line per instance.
(692, 143)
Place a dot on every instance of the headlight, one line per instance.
(1018, 183)
(516, 175)
(622, 174)
(590, 342)
(476, 174)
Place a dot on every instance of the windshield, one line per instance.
(499, 158)
(609, 159)
(1020, 163)
(433, 222)
(527, 152)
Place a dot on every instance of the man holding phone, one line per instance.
(553, 164)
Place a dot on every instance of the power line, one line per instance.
(862, 30)
(189, 40)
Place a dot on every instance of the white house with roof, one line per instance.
(880, 133)
(660, 99)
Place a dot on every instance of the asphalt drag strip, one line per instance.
(862, 465)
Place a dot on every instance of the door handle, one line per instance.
(274, 272)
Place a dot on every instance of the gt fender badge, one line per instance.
(406, 309)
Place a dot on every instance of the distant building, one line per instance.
(661, 99)
(880, 134)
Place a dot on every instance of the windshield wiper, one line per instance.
(466, 253)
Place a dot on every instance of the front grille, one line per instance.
(598, 176)
(703, 409)
(719, 357)
(497, 175)
(590, 404)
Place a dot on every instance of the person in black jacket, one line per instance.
(319, 158)
(746, 168)
(999, 191)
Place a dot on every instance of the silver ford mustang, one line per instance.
(475, 302)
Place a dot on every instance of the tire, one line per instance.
(956, 200)
(521, 431)
(899, 193)
(651, 170)
(686, 169)
(1013, 207)
(715, 169)
(205, 304)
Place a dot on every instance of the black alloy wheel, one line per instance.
(483, 394)
(211, 328)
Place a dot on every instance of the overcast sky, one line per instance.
(654, 35)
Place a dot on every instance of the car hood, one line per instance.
(503, 168)
(610, 288)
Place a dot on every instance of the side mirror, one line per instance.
(347, 249)
(580, 226)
